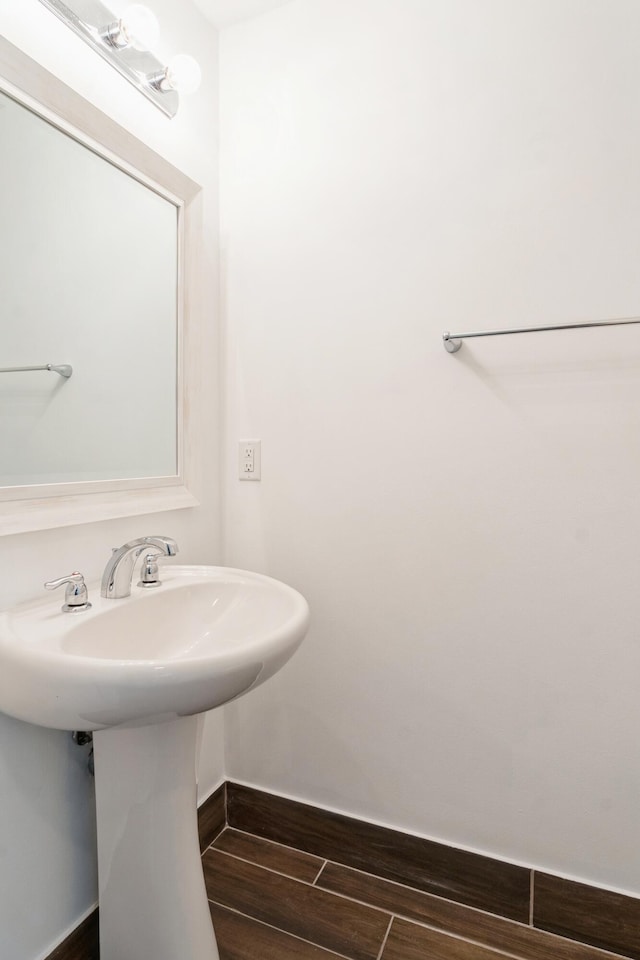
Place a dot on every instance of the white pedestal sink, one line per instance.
(137, 672)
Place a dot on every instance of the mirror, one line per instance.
(94, 245)
(89, 270)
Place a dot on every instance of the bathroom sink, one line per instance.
(202, 638)
(137, 671)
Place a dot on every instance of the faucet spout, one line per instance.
(118, 573)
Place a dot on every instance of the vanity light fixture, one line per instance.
(138, 28)
(124, 43)
(182, 74)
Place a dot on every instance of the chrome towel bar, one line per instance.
(64, 369)
(453, 341)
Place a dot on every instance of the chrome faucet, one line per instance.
(118, 573)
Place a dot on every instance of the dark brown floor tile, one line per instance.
(408, 941)
(294, 907)
(481, 882)
(514, 938)
(599, 917)
(82, 944)
(240, 938)
(266, 853)
(212, 817)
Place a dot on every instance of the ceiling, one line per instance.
(223, 12)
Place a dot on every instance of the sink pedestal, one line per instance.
(153, 902)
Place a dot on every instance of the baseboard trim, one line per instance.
(82, 943)
(212, 816)
(459, 875)
(577, 911)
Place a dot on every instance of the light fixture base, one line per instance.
(88, 19)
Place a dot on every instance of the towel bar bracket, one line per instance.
(451, 345)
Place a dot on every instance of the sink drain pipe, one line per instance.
(81, 738)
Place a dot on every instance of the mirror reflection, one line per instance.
(88, 278)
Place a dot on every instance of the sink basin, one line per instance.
(138, 671)
(202, 638)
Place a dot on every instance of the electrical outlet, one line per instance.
(249, 460)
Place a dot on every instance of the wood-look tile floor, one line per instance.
(272, 902)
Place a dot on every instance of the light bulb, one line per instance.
(183, 74)
(140, 27)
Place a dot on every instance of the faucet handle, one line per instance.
(149, 572)
(76, 595)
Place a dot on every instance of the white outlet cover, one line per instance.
(249, 467)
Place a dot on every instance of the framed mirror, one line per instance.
(97, 249)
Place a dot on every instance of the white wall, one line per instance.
(47, 862)
(465, 528)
